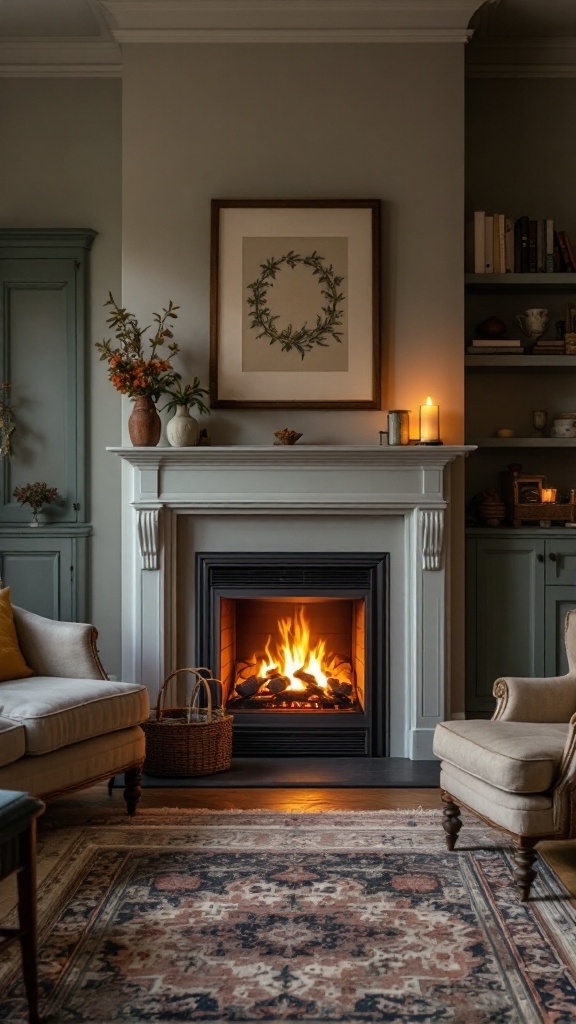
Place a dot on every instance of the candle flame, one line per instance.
(429, 401)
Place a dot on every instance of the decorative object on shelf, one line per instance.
(398, 428)
(504, 432)
(528, 500)
(36, 495)
(540, 421)
(532, 323)
(491, 329)
(7, 425)
(295, 304)
(564, 426)
(183, 430)
(287, 436)
(135, 375)
(491, 509)
(429, 423)
(144, 423)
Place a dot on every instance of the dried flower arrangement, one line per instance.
(7, 425)
(36, 495)
(130, 370)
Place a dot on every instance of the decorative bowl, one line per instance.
(286, 436)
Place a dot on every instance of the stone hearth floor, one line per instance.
(304, 772)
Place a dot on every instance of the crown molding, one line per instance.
(522, 57)
(59, 58)
(193, 21)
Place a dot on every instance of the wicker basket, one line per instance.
(186, 741)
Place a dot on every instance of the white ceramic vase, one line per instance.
(182, 430)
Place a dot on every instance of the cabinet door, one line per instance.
(505, 615)
(561, 561)
(39, 573)
(559, 601)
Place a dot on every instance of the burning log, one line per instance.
(250, 686)
(339, 687)
(277, 684)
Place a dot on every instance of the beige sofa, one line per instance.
(68, 726)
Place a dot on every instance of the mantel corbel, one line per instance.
(432, 537)
(148, 531)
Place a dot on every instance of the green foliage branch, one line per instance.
(301, 339)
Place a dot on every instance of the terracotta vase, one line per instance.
(144, 423)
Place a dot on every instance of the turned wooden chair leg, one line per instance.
(524, 874)
(132, 789)
(111, 785)
(451, 822)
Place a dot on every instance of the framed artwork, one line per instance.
(294, 304)
(528, 489)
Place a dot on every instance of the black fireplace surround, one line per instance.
(223, 579)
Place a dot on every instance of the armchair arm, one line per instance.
(524, 699)
(54, 648)
(564, 803)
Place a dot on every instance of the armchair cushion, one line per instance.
(516, 757)
(12, 663)
(57, 712)
(12, 741)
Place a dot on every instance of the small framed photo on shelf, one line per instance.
(294, 304)
(528, 489)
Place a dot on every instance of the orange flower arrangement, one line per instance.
(129, 369)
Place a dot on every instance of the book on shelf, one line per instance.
(479, 242)
(495, 350)
(489, 243)
(521, 228)
(497, 343)
(498, 243)
(509, 245)
(566, 262)
(569, 250)
(549, 243)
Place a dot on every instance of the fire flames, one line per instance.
(294, 672)
(296, 654)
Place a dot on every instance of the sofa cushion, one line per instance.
(518, 757)
(12, 741)
(12, 663)
(56, 712)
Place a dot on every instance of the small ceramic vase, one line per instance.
(182, 430)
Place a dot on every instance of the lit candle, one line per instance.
(429, 423)
(548, 494)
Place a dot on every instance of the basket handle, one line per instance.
(198, 683)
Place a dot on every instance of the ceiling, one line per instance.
(85, 36)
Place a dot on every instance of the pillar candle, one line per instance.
(429, 422)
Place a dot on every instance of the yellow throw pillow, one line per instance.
(12, 664)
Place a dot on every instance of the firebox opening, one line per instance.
(293, 654)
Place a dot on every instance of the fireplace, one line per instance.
(310, 501)
(300, 644)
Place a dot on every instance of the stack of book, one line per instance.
(496, 346)
(549, 347)
(497, 244)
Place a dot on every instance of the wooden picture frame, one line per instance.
(294, 304)
(528, 489)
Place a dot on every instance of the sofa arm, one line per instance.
(524, 699)
(54, 648)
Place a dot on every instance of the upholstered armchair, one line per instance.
(516, 771)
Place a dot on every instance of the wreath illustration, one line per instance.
(301, 339)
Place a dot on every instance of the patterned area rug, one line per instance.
(317, 918)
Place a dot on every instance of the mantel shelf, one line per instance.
(525, 442)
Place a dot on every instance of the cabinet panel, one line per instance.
(38, 574)
(559, 601)
(505, 615)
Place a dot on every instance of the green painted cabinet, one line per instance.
(519, 586)
(43, 287)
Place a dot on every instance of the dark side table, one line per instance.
(18, 813)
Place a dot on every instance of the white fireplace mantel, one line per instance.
(396, 495)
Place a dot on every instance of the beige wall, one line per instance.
(60, 168)
(333, 121)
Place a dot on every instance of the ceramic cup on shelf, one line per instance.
(563, 428)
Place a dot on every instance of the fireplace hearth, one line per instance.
(300, 643)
